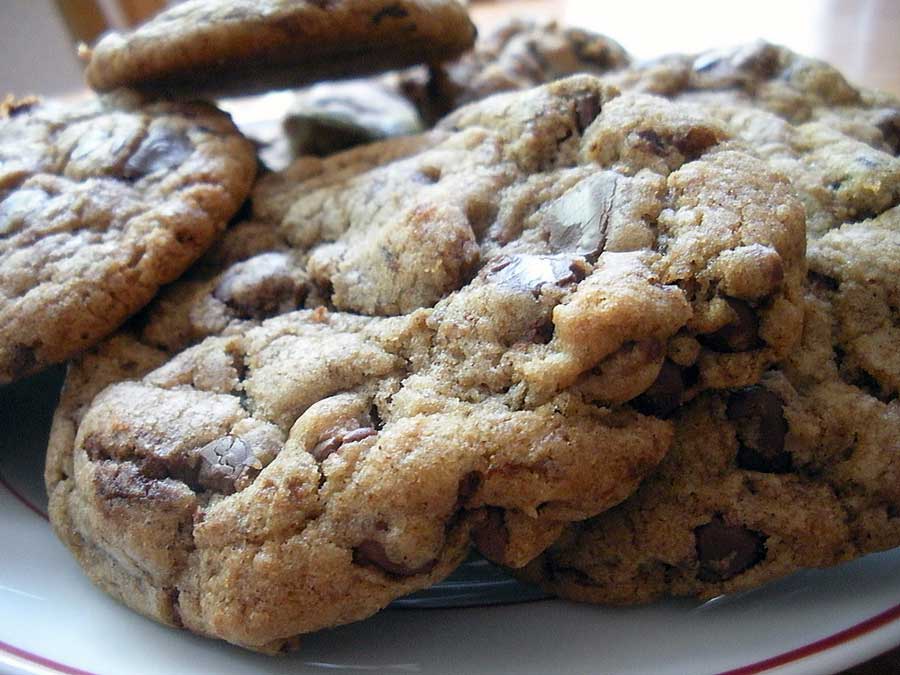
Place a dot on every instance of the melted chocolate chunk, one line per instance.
(577, 221)
(758, 415)
(372, 553)
(587, 107)
(332, 443)
(490, 535)
(161, 150)
(664, 395)
(530, 272)
(223, 461)
(741, 335)
(724, 551)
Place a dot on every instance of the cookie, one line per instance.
(312, 468)
(333, 116)
(759, 484)
(101, 204)
(482, 304)
(214, 47)
(839, 144)
(518, 55)
(800, 471)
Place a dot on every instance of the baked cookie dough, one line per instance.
(102, 203)
(221, 47)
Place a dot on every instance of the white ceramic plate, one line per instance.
(53, 621)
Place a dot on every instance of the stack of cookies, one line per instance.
(629, 330)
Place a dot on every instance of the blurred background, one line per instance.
(859, 36)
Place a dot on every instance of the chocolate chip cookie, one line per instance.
(216, 47)
(839, 144)
(314, 468)
(518, 55)
(800, 471)
(102, 203)
(760, 482)
(482, 304)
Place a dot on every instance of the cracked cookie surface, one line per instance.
(800, 471)
(216, 47)
(838, 144)
(497, 314)
(100, 204)
(295, 475)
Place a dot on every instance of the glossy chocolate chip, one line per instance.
(665, 394)
(371, 552)
(741, 335)
(758, 415)
(332, 442)
(530, 272)
(490, 535)
(223, 461)
(163, 149)
(724, 551)
(587, 107)
(577, 221)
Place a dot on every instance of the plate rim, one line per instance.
(29, 663)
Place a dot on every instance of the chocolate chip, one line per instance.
(695, 141)
(724, 551)
(530, 272)
(577, 221)
(587, 107)
(163, 148)
(468, 486)
(22, 361)
(888, 123)
(261, 286)
(761, 429)
(822, 282)
(663, 397)
(653, 141)
(393, 11)
(741, 335)
(490, 535)
(223, 461)
(371, 552)
(334, 441)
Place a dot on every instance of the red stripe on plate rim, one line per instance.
(42, 660)
(842, 637)
(839, 638)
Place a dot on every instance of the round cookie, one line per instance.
(518, 55)
(218, 47)
(101, 204)
(545, 262)
(838, 144)
(312, 469)
(800, 471)
(759, 483)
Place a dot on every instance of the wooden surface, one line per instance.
(860, 37)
